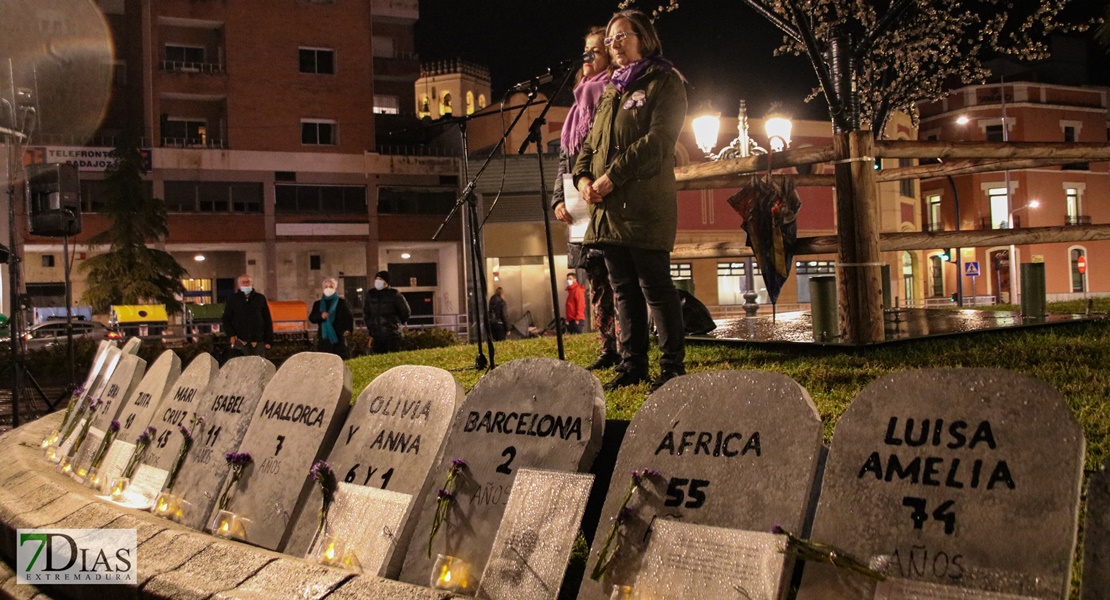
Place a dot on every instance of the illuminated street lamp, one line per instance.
(778, 128)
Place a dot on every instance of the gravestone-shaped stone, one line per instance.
(536, 535)
(1096, 537)
(79, 414)
(100, 360)
(392, 437)
(732, 449)
(367, 520)
(535, 413)
(957, 481)
(127, 375)
(139, 409)
(697, 562)
(295, 424)
(227, 405)
(181, 403)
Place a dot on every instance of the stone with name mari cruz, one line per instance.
(524, 423)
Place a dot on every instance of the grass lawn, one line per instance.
(1074, 359)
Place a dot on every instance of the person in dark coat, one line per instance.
(498, 315)
(335, 320)
(247, 322)
(386, 310)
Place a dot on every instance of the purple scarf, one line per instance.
(581, 115)
(628, 74)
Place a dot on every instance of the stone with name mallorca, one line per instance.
(295, 424)
(177, 410)
(536, 536)
(536, 413)
(392, 437)
(1096, 536)
(143, 403)
(956, 479)
(227, 405)
(732, 449)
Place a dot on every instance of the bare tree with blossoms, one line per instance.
(876, 57)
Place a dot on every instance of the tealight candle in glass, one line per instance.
(225, 525)
(166, 505)
(118, 488)
(331, 551)
(92, 478)
(450, 573)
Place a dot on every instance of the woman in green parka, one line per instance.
(625, 171)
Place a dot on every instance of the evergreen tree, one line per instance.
(130, 272)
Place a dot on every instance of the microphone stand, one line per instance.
(535, 134)
(473, 230)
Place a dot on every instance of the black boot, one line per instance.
(624, 378)
(606, 360)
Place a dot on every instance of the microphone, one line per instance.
(587, 56)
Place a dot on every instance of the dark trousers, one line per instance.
(497, 331)
(339, 348)
(243, 348)
(642, 281)
(575, 327)
(383, 344)
(601, 302)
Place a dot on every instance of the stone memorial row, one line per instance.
(125, 378)
(937, 484)
(1096, 537)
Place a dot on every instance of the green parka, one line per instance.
(633, 141)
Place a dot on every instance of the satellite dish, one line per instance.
(56, 65)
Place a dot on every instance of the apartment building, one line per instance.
(259, 119)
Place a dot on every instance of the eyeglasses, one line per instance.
(620, 37)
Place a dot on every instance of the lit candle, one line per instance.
(119, 486)
(450, 573)
(226, 524)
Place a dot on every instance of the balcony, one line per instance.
(1072, 220)
(938, 226)
(168, 142)
(173, 66)
(988, 223)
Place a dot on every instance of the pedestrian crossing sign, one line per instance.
(971, 268)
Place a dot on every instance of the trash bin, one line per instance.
(1034, 296)
(823, 310)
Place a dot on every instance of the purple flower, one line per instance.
(458, 462)
(145, 437)
(320, 470)
(443, 494)
(113, 426)
(651, 473)
(778, 530)
(185, 433)
(238, 458)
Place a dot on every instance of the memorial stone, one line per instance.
(536, 536)
(227, 405)
(366, 520)
(295, 424)
(139, 409)
(960, 483)
(100, 359)
(731, 449)
(127, 375)
(534, 413)
(78, 416)
(1096, 537)
(697, 562)
(178, 408)
(392, 437)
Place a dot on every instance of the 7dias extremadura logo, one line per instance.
(84, 556)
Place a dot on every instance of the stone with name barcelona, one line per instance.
(227, 406)
(535, 413)
(295, 423)
(951, 482)
(393, 436)
(730, 449)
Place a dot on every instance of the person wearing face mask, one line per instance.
(386, 310)
(333, 316)
(625, 172)
(575, 309)
(246, 320)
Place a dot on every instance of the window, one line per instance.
(469, 102)
(732, 282)
(411, 201)
(317, 60)
(1069, 134)
(810, 268)
(995, 133)
(185, 55)
(1000, 208)
(682, 271)
(314, 262)
(48, 261)
(334, 199)
(1078, 280)
(905, 186)
(184, 131)
(382, 46)
(213, 196)
(94, 197)
(445, 104)
(936, 273)
(935, 223)
(386, 105)
(316, 132)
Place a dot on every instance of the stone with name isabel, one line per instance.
(1096, 537)
(732, 449)
(178, 408)
(392, 437)
(536, 413)
(227, 405)
(295, 424)
(957, 479)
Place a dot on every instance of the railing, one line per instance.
(1077, 220)
(988, 223)
(934, 227)
(416, 151)
(174, 66)
(947, 301)
(734, 311)
(459, 323)
(207, 142)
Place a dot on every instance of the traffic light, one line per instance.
(946, 255)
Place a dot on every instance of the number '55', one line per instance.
(679, 488)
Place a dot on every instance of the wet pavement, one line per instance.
(901, 325)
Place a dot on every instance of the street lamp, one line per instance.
(707, 127)
(1014, 284)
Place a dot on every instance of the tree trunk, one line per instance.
(859, 264)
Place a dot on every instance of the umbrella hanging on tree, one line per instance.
(770, 212)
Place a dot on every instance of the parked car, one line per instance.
(53, 331)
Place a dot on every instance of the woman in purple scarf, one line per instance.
(590, 83)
